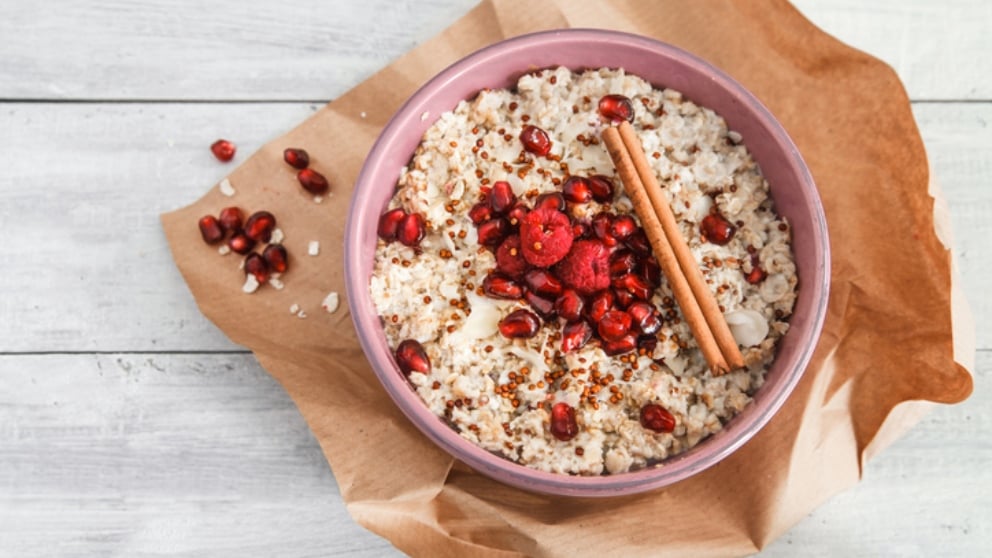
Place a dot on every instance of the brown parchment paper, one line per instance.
(897, 335)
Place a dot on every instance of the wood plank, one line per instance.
(87, 267)
(317, 50)
(205, 455)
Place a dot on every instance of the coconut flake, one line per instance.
(330, 303)
(318, 199)
(313, 248)
(251, 284)
(226, 188)
(276, 283)
(277, 236)
(294, 308)
(425, 115)
(301, 314)
(748, 327)
(224, 250)
(362, 114)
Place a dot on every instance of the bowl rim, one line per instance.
(673, 469)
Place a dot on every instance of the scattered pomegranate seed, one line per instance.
(616, 108)
(756, 275)
(411, 230)
(716, 229)
(601, 303)
(223, 150)
(601, 225)
(535, 140)
(622, 299)
(256, 265)
(648, 343)
(655, 417)
(493, 231)
(312, 181)
(601, 188)
(240, 243)
(580, 230)
(550, 200)
(542, 282)
(520, 324)
(638, 242)
(577, 190)
(563, 425)
(411, 357)
(544, 306)
(644, 317)
(614, 325)
(570, 305)
(622, 262)
(389, 224)
(634, 285)
(275, 255)
(649, 269)
(624, 345)
(575, 335)
(259, 226)
(517, 213)
(296, 157)
(210, 229)
(502, 197)
(622, 226)
(231, 219)
(498, 286)
(480, 213)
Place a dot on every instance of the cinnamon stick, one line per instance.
(667, 259)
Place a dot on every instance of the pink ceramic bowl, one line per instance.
(499, 66)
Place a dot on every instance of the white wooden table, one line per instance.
(130, 426)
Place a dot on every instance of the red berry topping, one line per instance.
(275, 255)
(655, 417)
(312, 181)
(622, 298)
(256, 265)
(716, 229)
(260, 225)
(570, 305)
(756, 275)
(614, 325)
(542, 282)
(498, 286)
(577, 190)
(240, 243)
(411, 357)
(296, 157)
(411, 230)
(563, 425)
(622, 226)
(480, 213)
(601, 187)
(230, 219)
(625, 344)
(223, 150)
(520, 324)
(622, 262)
(575, 335)
(634, 285)
(210, 229)
(580, 229)
(516, 214)
(535, 140)
(602, 225)
(644, 317)
(649, 269)
(502, 198)
(545, 237)
(389, 224)
(638, 243)
(600, 304)
(586, 268)
(550, 200)
(545, 307)
(509, 259)
(493, 231)
(616, 108)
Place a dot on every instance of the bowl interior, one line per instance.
(500, 66)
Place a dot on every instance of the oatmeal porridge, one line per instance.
(519, 291)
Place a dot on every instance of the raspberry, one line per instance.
(545, 236)
(586, 268)
(510, 259)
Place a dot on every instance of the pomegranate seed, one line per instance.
(493, 231)
(520, 324)
(616, 108)
(625, 344)
(535, 140)
(655, 417)
(638, 242)
(563, 425)
(210, 229)
(756, 275)
(480, 213)
(544, 307)
(240, 243)
(601, 225)
(644, 317)
(580, 230)
(502, 197)
(570, 305)
(622, 299)
(623, 226)
(259, 226)
(296, 157)
(543, 282)
(634, 285)
(648, 343)
(256, 265)
(650, 271)
(411, 357)
(230, 219)
(614, 325)
(601, 303)
(517, 213)
(577, 190)
(275, 255)
(411, 230)
(601, 187)
(575, 335)
(622, 262)
(550, 200)
(498, 286)
(223, 150)
(716, 229)
(312, 181)
(389, 224)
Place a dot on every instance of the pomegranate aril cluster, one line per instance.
(243, 236)
(311, 180)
